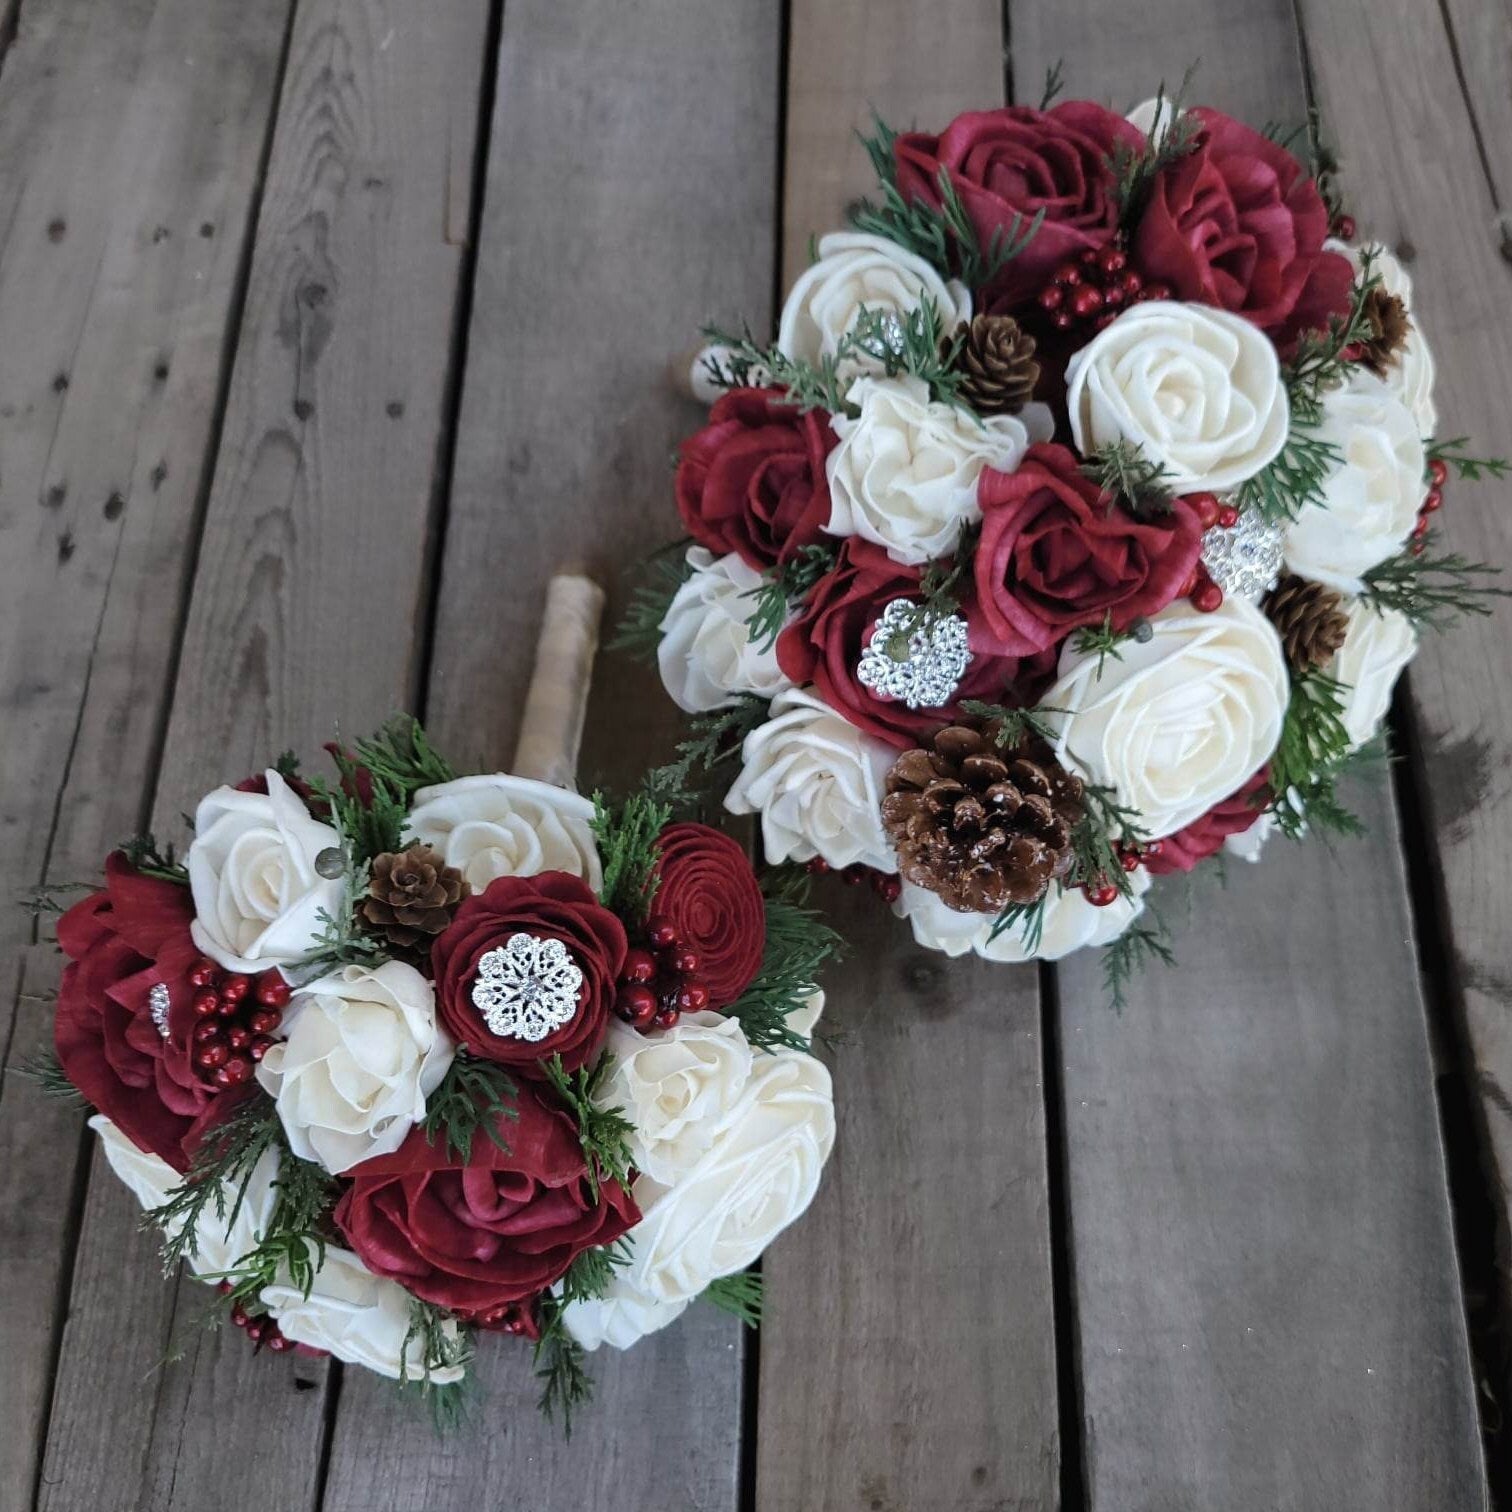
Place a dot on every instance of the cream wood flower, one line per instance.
(623, 1316)
(363, 1052)
(258, 897)
(816, 780)
(360, 1318)
(1377, 646)
(856, 271)
(1197, 390)
(905, 471)
(706, 656)
(1178, 722)
(1070, 923)
(496, 825)
(1372, 495)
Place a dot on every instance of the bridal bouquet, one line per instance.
(1074, 529)
(404, 1057)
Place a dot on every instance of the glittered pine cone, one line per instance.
(1310, 620)
(997, 364)
(979, 826)
(412, 894)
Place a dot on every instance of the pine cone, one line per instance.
(980, 827)
(413, 894)
(997, 361)
(1389, 325)
(1310, 620)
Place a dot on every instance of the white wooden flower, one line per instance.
(1377, 646)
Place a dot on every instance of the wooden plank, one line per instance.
(310, 589)
(908, 1360)
(1418, 180)
(131, 139)
(630, 195)
(1266, 1297)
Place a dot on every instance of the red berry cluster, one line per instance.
(259, 1327)
(1092, 290)
(1205, 594)
(658, 985)
(507, 1317)
(1438, 471)
(238, 1016)
(887, 885)
(1131, 858)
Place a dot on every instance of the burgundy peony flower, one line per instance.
(1204, 837)
(550, 906)
(1020, 161)
(1056, 553)
(824, 644)
(479, 1237)
(710, 895)
(752, 480)
(1238, 223)
(122, 942)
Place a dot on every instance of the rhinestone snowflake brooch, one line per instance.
(527, 988)
(1244, 560)
(918, 661)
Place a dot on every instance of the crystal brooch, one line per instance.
(158, 1003)
(917, 660)
(527, 988)
(1245, 560)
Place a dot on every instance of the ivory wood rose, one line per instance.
(855, 271)
(495, 825)
(360, 1318)
(706, 656)
(1180, 721)
(258, 896)
(1371, 496)
(816, 780)
(1377, 646)
(904, 474)
(1070, 923)
(622, 1317)
(362, 1053)
(1197, 390)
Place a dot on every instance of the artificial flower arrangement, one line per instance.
(404, 1057)
(1073, 530)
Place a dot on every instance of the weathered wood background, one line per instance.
(328, 329)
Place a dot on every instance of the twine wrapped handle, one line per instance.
(551, 729)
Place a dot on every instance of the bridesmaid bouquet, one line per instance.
(1074, 529)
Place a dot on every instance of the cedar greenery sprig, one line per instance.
(604, 1133)
(46, 1073)
(913, 345)
(1135, 170)
(591, 1273)
(143, 852)
(342, 939)
(942, 235)
(1310, 758)
(439, 1350)
(1142, 944)
(798, 943)
(1055, 82)
(1431, 590)
(474, 1094)
(743, 361)
(740, 1295)
(1106, 828)
(782, 586)
(639, 633)
(940, 584)
(1472, 469)
(565, 1382)
(627, 832)
(716, 738)
(401, 758)
(1103, 641)
(1292, 479)
(1012, 727)
(1321, 360)
(1027, 918)
(1122, 470)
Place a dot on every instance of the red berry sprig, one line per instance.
(887, 885)
(657, 985)
(260, 1328)
(1212, 513)
(1094, 288)
(237, 1020)
(1433, 501)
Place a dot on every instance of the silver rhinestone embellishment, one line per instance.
(158, 1003)
(1244, 561)
(527, 988)
(921, 667)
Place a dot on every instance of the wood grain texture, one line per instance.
(604, 242)
(131, 138)
(908, 1353)
(1267, 1300)
(1417, 181)
(311, 583)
